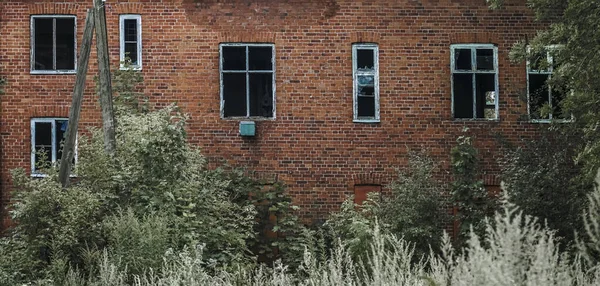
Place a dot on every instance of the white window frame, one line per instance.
(549, 72)
(122, 19)
(356, 73)
(474, 71)
(247, 71)
(32, 47)
(54, 141)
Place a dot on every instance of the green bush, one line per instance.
(542, 178)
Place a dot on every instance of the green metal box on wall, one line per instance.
(247, 128)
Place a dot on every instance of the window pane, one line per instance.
(65, 43)
(463, 95)
(485, 59)
(366, 106)
(261, 94)
(365, 59)
(43, 44)
(462, 59)
(130, 30)
(260, 58)
(131, 52)
(538, 95)
(234, 94)
(366, 85)
(234, 58)
(60, 130)
(485, 85)
(43, 134)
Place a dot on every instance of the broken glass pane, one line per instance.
(260, 58)
(131, 52)
(463, 95)
(485, 59)
(43, 38)
(234, 94)
(462, 59)
(60, 130)
(366, 85)
(261, 94)
(485, 86)
(65, 43)
(234, 58)
(366, 106)
(365, 59)
(538, 95)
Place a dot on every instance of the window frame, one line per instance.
(356, 73)
(32, 44)
(550, 71)
(54, 141)
(474, 71)
(247, 71)
(122, 18)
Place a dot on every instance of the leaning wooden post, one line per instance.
(82, 67)
(105, 90)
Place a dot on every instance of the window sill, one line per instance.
(248, 118)
(371, 121)
(42, 72)
(476, 120)
(134, 68)
(548, 121)
(40, 175)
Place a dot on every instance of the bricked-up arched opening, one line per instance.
(361, 192)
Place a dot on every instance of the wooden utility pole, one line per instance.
(82, 67)
(105, 90)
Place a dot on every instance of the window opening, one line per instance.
(53, 43)
(130, 27)
(543, 99)
(365, 67)
(47, 136)
(247, 80)
(474, 81)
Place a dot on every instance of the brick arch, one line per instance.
(53, 8)
(369, 179)
(49, 111)
(474, 38)
(365, 37)
(126, 8)
(247, 36)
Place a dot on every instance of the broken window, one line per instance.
(47, 136)
(543, 98)
(365, 67)
(53, 43)
(247, 80)
(474, 81)
(130, 27)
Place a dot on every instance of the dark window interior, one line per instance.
(43, 144)
(234, 94)
(485, 59)
(463, 95)
(538, 95)
(484, 84)
(462, 59)
(234, 58)
(43, 44)
(255, 97)
(54, 45)
(365, 59)
(130, 35)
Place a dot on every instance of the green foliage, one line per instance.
(589, 245)
(416, 209)
(468, 193)
(544, 181)
(574, 34)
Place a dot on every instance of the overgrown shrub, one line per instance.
(468, 192)
(542, 178)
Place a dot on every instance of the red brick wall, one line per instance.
(313, 144)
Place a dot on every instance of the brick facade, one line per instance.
(312, 145)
